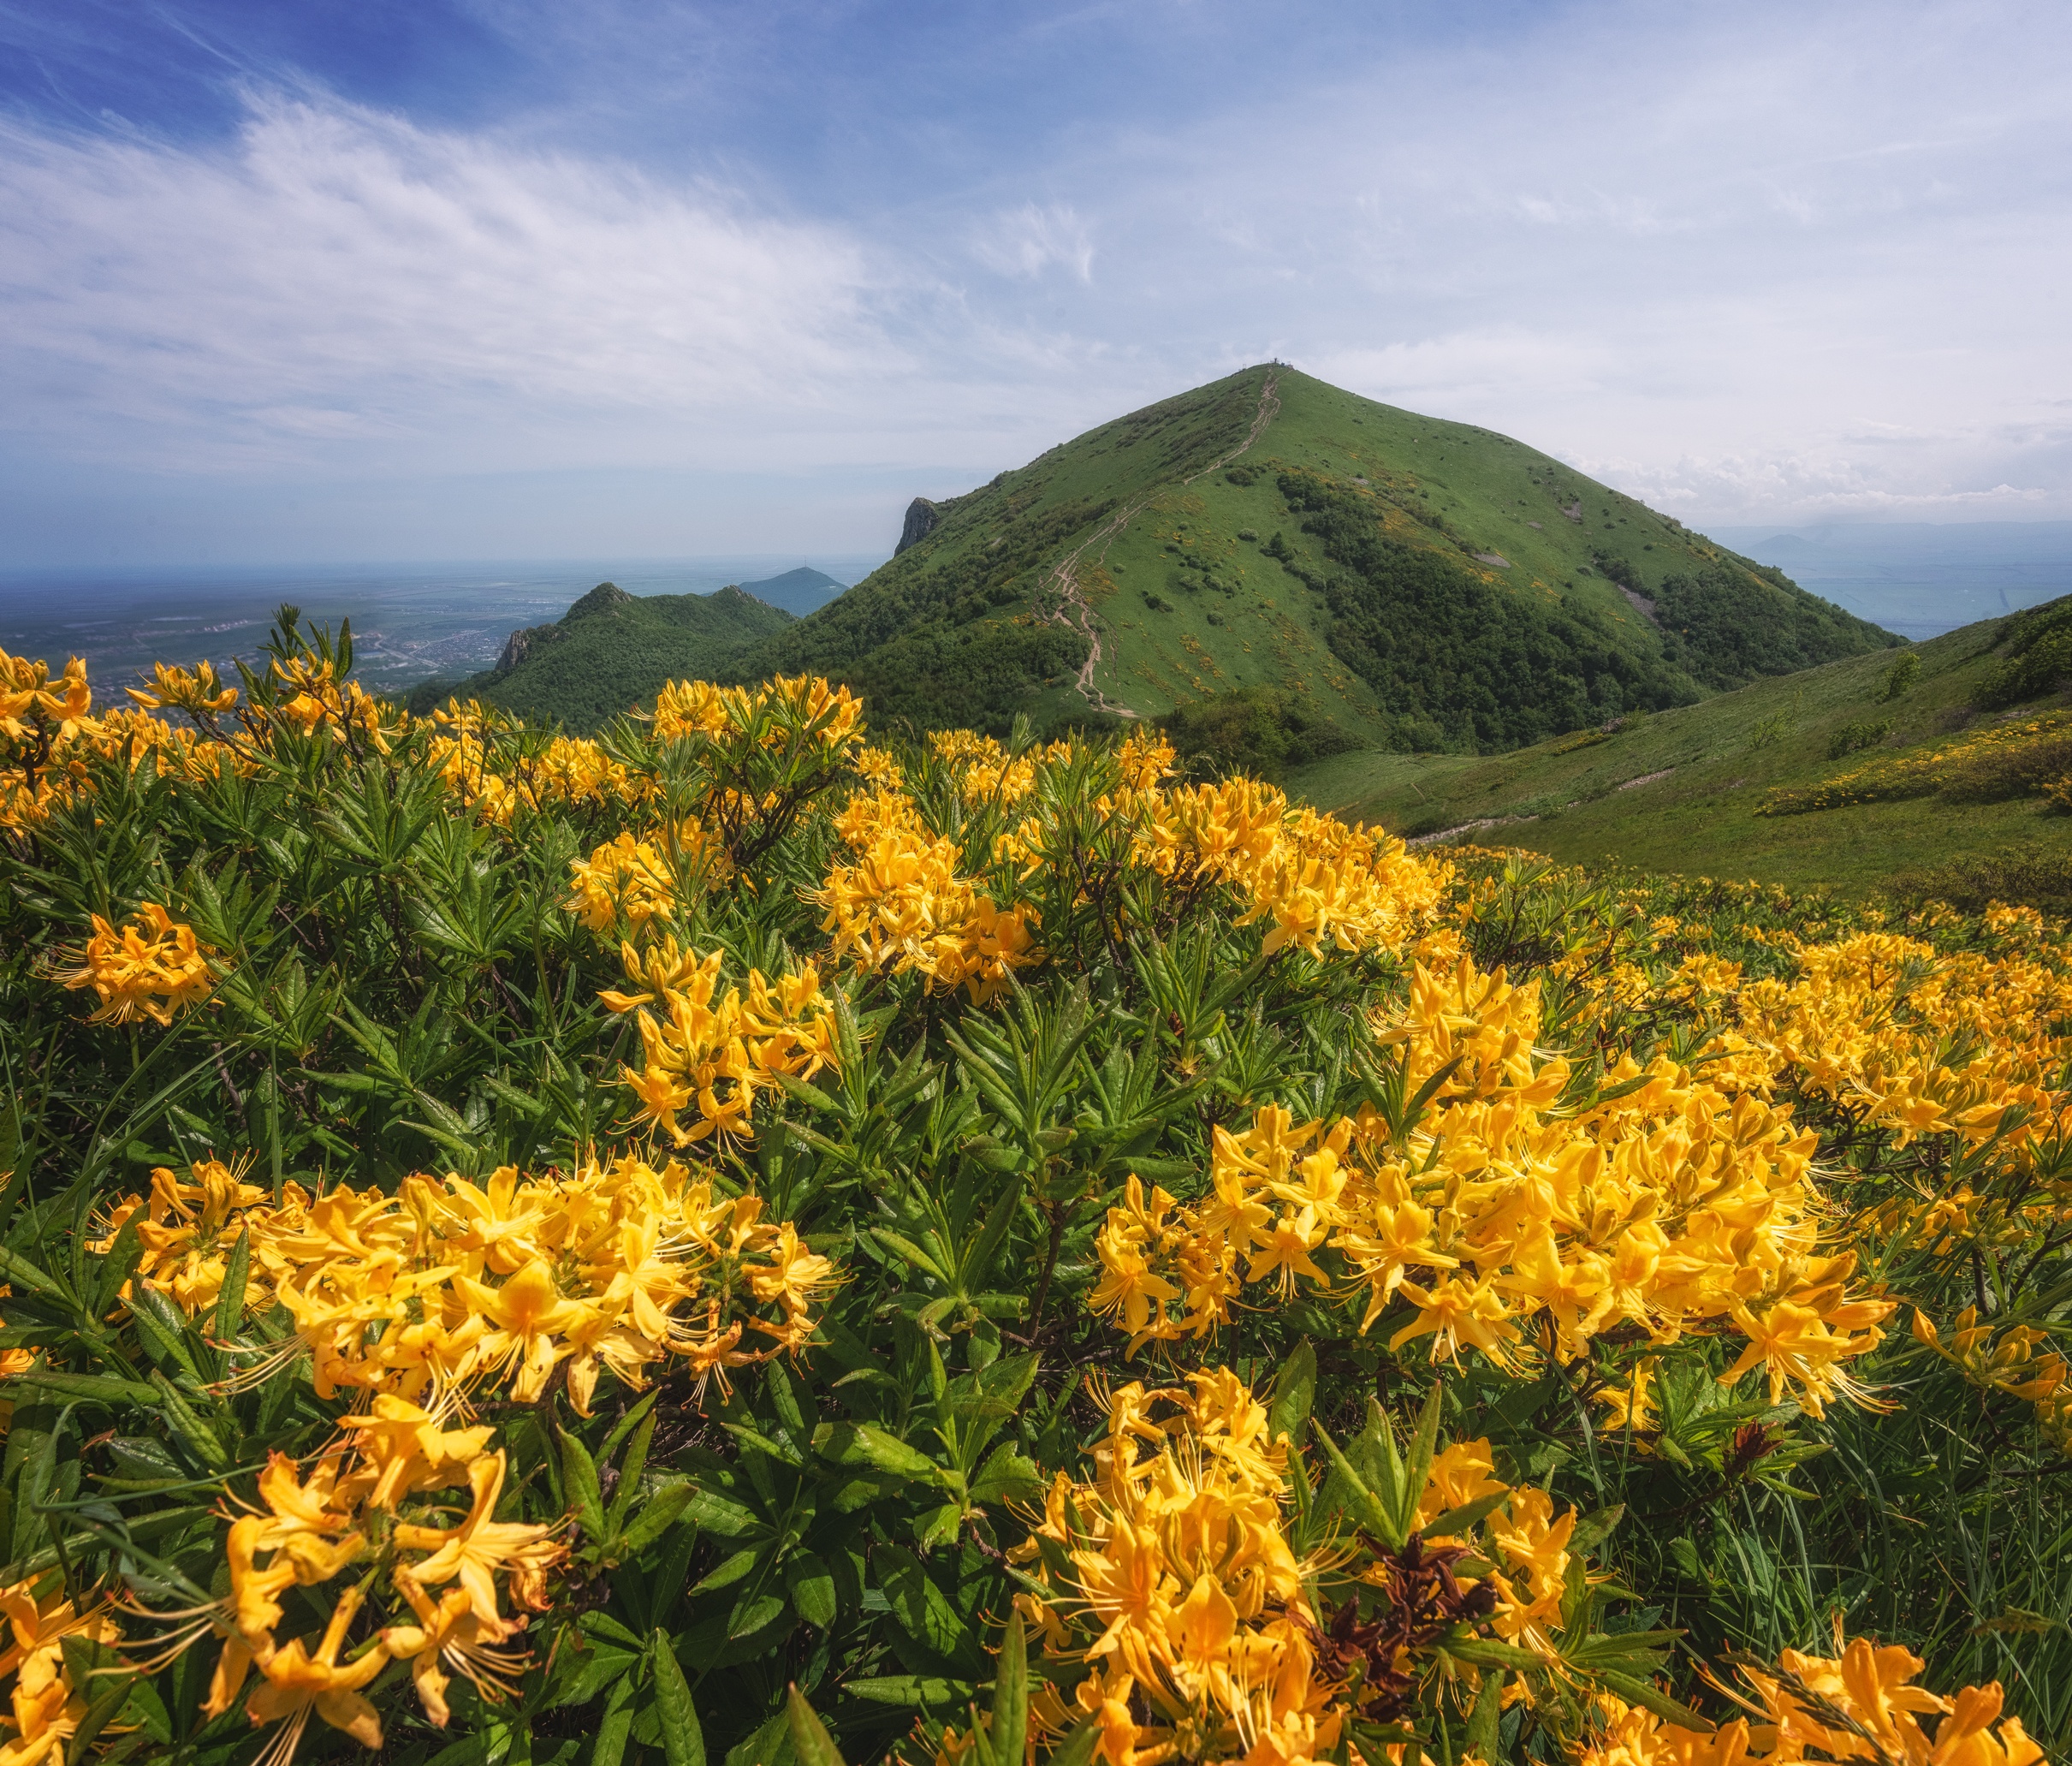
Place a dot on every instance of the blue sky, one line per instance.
(397, 278)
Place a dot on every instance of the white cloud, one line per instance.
(337, 274)
(1749, 264)
(1027, 240)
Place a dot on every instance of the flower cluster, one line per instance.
(310, 697)
(1919, 1042)
(1507, 1224)
(2007, 1361)
(983, 770)
(1176, 1614)
(904, 904)
(150, 967)
(800, 708)
(712, 1048)
(459, 1285)
(1810, 1710)
(1317, 880)
(635, 881)
(186, 1232)
(434, 1574)
(479, 759)
(1174, 1602)
(196, 692)
(47, 1706)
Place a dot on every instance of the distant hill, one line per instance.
(1688, 789)
(797, 592)
(1407, 582)
(612, 652)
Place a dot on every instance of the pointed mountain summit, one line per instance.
(1399, 580)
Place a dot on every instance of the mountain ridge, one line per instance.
(1123, 573)
(1415, 584)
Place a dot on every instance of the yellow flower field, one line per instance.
(753, 1238)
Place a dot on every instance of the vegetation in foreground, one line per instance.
(1932, 772)
(730, 1241)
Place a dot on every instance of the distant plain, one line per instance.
(410, 621)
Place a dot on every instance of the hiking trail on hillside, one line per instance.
(1073, 610)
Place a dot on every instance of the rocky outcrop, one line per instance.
(517, 646)
(921, 518)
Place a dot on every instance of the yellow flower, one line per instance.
(151, 968)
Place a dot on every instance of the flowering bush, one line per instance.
(738, 1239)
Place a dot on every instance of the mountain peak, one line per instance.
(1409, 581)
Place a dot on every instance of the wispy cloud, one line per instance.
(1027, 240)
(1743, 264)
(341, 275)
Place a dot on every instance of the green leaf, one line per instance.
(1489, 1652)
(660, 1512)
(1593, 1529)
(811, 1741)
(1366, 1509)
(863, 1444)
(714, 1513)
(729, 1570)
(752, 1613)
(1293, 1392)
(683, 1743)
(579, 1479)
(1011, 1695)
(616, 1725)
(230, 1298)
(1457, 1520)
(1418, 1466)
(90, 1388)
(121, 1263)
(923, 1611)
(164, 1329)
(1077, 1748)
(1482, 1720)
(19, 1272)
(914, 1691)
(811, 1585)
(1005, 1474)
(1636, 1690)
(770, 1745)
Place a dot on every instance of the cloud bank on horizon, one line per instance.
(496, 277)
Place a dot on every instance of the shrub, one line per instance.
(2020, 770)
(2037, 650)
(1853, 737)
(1901, 676)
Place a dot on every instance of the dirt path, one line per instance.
(1072, 610)
(1428, 840)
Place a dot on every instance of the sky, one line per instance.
(366, 279)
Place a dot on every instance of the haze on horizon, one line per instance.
(474, 278)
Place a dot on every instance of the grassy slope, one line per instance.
(612, 652)
(1725, 753)
(964, 627)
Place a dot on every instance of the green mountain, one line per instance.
(1385, 578)
(612, 652)
(1933, 770)
(805, 590)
